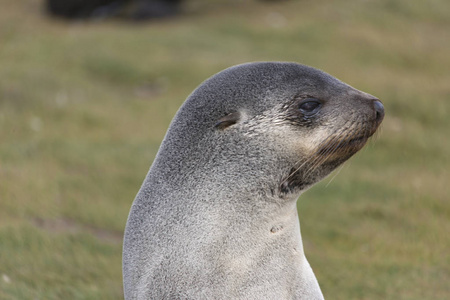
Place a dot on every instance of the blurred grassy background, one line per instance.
(84, 106)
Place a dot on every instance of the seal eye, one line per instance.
(309, 106)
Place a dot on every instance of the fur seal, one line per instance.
(216, 216)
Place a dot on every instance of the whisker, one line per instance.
(336, 174)
(327, 140)
(320, 159)
(349, 133)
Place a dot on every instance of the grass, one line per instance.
(84, 106)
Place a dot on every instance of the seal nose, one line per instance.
(379, 109)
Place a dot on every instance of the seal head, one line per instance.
(216, 215)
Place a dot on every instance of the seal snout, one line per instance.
(378, 116)
(379, 110)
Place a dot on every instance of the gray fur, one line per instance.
(216, 216)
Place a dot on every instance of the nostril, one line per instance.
(379, 108)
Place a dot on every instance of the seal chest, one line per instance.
(216, 216)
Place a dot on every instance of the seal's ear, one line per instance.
(228, 120)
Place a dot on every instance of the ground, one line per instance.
(84, 106)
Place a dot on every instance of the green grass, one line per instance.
(84, 106)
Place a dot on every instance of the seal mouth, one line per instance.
(340, 147)
(332, 152)
(346, 143)
(357, 142)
